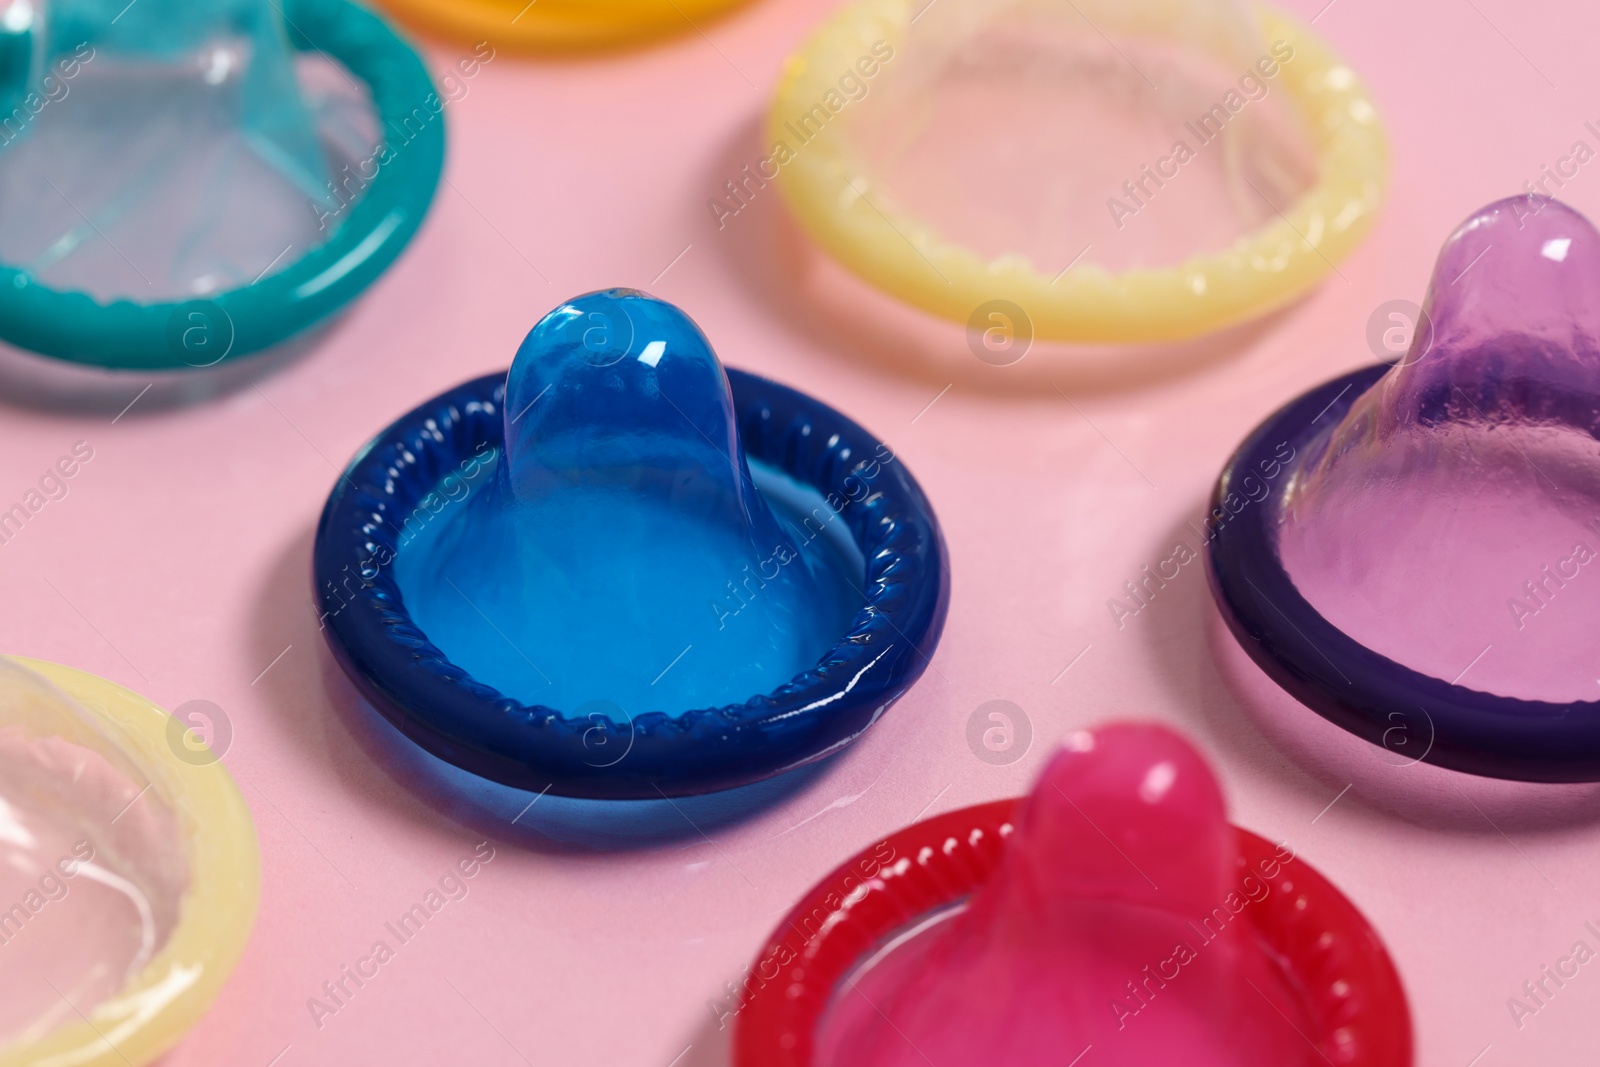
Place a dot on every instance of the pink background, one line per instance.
(178, 566)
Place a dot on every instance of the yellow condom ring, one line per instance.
(829, 190)
(557, 25)
(164, 1001)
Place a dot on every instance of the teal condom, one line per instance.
(187, 181)
(20, 56)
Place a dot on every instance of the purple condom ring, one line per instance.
(1375, 544)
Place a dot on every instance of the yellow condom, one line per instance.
(557, 25)
(197, 798)
(864, 225)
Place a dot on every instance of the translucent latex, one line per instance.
(618, 558)
(916, 200)
(1115, 920)
(169, 148)
(92, 862)
(1451, 520)
(1011, 126)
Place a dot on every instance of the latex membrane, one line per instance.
(93, 864)
(1036, 128)
(169, 148)
(1451, 520)
(616, 556)
(1144, 171)
(1099, 928)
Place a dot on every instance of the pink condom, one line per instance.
(1113, 916)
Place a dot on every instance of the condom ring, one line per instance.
(108, 731)
(558, 25)
(905, 881)
(376, 204)
(1368, 541)
(1284, 244)
(575, 416)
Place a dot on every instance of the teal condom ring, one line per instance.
(235, 323)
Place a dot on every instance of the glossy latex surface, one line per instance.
(1234, 159)
(165, 151)
(409, 473)
(127, 872)
(618, 558)
(183, 182)
(1011, 128)
(1451, 518)
(1108, 924)
(97, 878)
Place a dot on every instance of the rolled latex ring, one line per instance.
(441, 707)
(161, 1003)
(124, 335)
(1353, 686)
(1344, 973)
(1263, 270)
(557, 25)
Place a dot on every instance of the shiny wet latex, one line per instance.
(1114, 922)
(617, 558)
(171, 148)
(1451, 520)
(92, 863)
(1101, 173)
(1084, 135)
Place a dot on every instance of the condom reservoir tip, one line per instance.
(616, 556)
(1455, 508)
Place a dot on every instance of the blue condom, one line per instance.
(622, 538)
(184, 181)
(621, 572)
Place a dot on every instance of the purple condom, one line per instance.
(1420, 564)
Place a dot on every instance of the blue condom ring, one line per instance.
(439, 706)
(176, 335)
(1411, 714)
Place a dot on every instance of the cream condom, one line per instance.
(128, 872)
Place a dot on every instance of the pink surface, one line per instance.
(177, 564)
